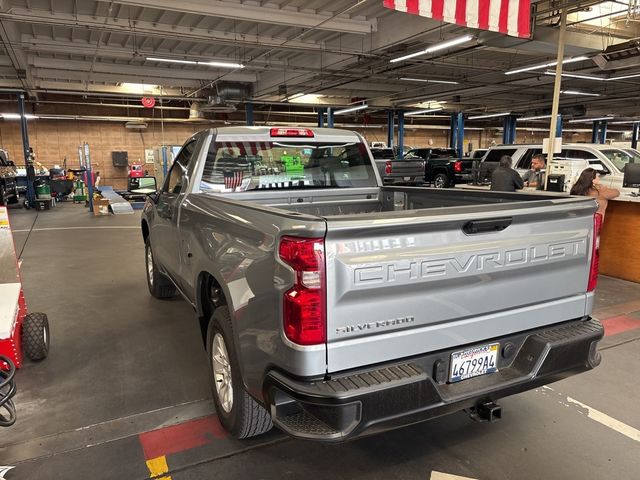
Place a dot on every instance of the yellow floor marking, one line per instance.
(158, 466)
(447, 476)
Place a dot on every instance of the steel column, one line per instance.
(390, 127)
(635, 135)
(330, 117)
(602, 133)
(559, 126)
(509, 130)
(249, 112)
(400, 114)
(460, 135)
(321, 112)
(89, 173)
(453, 126)
(594, 132)
(31, 192)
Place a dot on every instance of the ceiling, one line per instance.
(64, 53)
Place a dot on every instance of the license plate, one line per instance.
(474, 362)
(406, 179)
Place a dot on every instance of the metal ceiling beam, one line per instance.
(164, 31)
(156, 75)
(8, 35)
(81, 88)
(256, 13)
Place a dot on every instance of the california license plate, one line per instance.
(474, 362)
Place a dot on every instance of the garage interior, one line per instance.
(124, 391)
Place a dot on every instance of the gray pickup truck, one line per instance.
(333, 307)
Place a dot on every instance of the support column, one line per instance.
(602, 133)
(400, 114)
(559, 126)
(453, 126)
(635, 136)
(249, 111)
(509, 130)
(390, 127)
(330, 117)
(321, 112)
(594, 132)
(31, 175)
(460, 135)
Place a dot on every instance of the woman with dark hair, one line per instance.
(588, 184)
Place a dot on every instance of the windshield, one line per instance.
(621, 157)
(243, 166)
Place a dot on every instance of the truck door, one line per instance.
(164, 236)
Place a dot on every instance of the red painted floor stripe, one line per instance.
(178, 438)
(619, 324)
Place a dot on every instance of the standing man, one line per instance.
(504, 178)
(536, 176)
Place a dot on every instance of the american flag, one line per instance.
(233, 178)
(511, 17)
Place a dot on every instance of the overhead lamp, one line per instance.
(424, 80)
(575, 75)
(544, 65)
(537, 117)
(435, 48)
(420, 112)
(624, 122)
(576, 92)
(16, 116)
(193, 62)
(351, 109)
(490, 115)
(296, 95)
(586, 120)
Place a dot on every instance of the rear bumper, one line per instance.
(388, 396)
(401, 179)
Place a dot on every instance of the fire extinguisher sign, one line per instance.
(148, 102)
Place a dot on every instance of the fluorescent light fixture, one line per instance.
(537, 117)
(585, 120)
(16, 116)
(435, 48)
(193, 62)
(624, 77)
(624, 122)
(420, 112)
(351, 109)
(490, 115)
(576, 92)
(545, 65)
(296, 95)
(424, 80)
(575, 75)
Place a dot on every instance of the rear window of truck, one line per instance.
(243, 166)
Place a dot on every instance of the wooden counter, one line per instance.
(620, 240)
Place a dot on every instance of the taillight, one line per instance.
(387, 168)
(304, 304)
(457, 167)
(291, 132)
(595, 253)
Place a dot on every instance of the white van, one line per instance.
(609, 160)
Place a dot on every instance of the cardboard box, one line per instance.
(101, 206)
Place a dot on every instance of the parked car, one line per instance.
(610, 161)
(393, 170)
(442, 168)
(333, 306)
(8, 184)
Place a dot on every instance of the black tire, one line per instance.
(35, 336)
(159, 285)
(441, 180)
(245, 417)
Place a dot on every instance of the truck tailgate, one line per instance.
(399, 286)
(407, 167)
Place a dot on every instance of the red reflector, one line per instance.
(457, 167)
(595, 253)
(305, 321)
(291, 132)
(387, 168)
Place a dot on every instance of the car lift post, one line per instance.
(635, 135)
(87, 162)
(31, 193)
(390, 127)
(400, 114)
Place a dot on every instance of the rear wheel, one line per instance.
(441, 180)
(35, 336)
(159, 285)
(238, 412)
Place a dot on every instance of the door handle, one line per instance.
(493, 225)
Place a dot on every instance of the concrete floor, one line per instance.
(124, 392)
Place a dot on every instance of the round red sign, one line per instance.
(148, 102)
